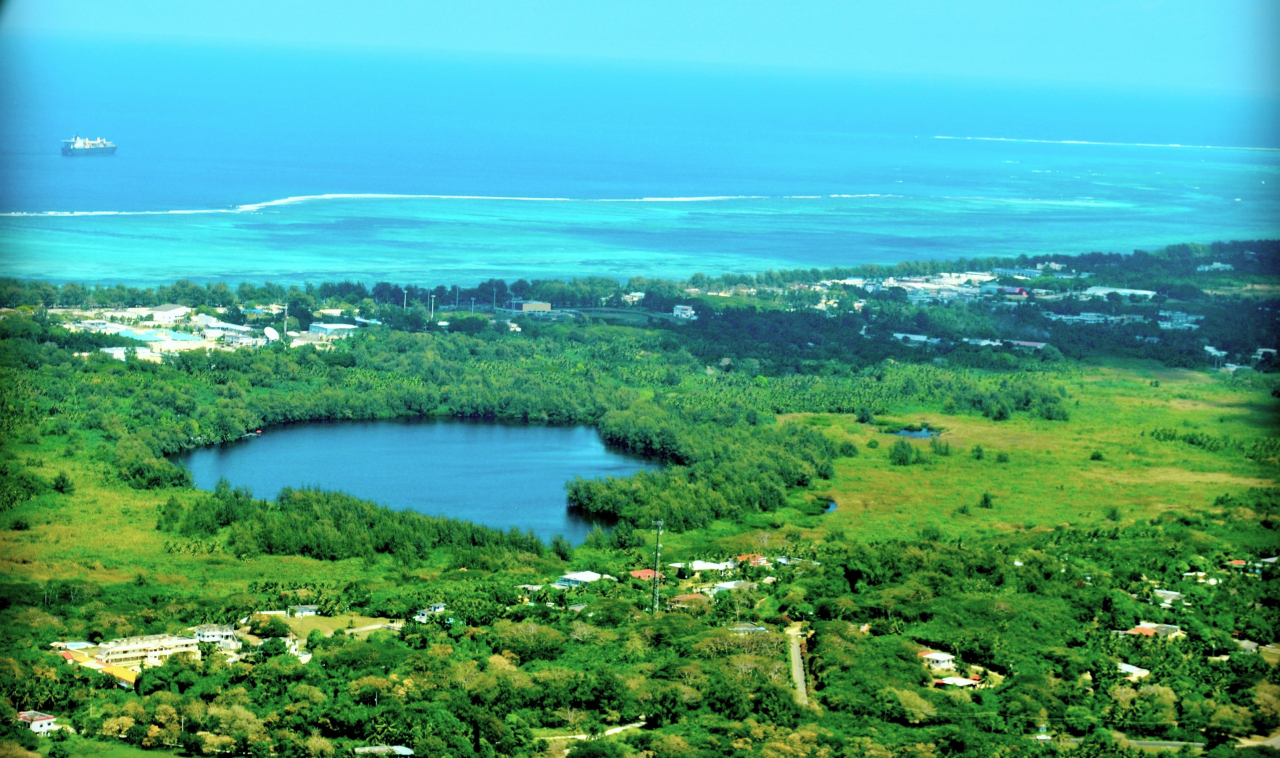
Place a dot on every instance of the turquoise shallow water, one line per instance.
(436, 240)
(405, 169)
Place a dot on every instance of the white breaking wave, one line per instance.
(254, 207)
(16, 214)
(1110, 144)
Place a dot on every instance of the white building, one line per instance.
(332, 330)
(1215, 266)
(938, 661)
(222, 635)
(1104, 291)
(40, 723)
(685, 312)
(698, 566)
(209, 322)
(577, 578)
(121, 353)
(169, 313)
(424, 615)
(151, 650)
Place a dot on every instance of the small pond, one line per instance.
(499, 475)
(917, 434)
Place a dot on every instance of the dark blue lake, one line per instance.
(499, 475)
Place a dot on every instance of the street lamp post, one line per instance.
(657, 562)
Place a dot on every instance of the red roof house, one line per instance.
(647, 574)
(1145, 631)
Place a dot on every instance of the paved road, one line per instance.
(607, 732)
(797, 665)
(1171, 744)
(1273, 741)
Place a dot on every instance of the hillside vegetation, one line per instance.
(1055, 498)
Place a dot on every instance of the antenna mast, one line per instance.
(657, 562)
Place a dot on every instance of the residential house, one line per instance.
(688, 601)
(699, 566)
(1151, 629)
(753, 559)
(301, 611)
(955, 681)
(40, 723)
(424, 615)
(746, 628)
(684, 312)
(647, 575)
(577, 579)
(735, 585)
(1132, 673)
(938, 661)
(222, 635)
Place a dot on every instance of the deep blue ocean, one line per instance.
(245, 164)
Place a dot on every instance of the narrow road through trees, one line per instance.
(797, 665)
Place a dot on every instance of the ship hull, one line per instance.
(79, 151)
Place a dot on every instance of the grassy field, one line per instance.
(1049, 477)
(302, 627)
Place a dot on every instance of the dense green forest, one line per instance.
(754, 414)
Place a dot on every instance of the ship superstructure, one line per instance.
(78, 145)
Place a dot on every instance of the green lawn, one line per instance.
(82, 748)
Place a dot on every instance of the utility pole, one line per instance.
(657, 562)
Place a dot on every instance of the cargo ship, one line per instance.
(78, 145)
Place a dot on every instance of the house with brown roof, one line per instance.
(646, 575)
